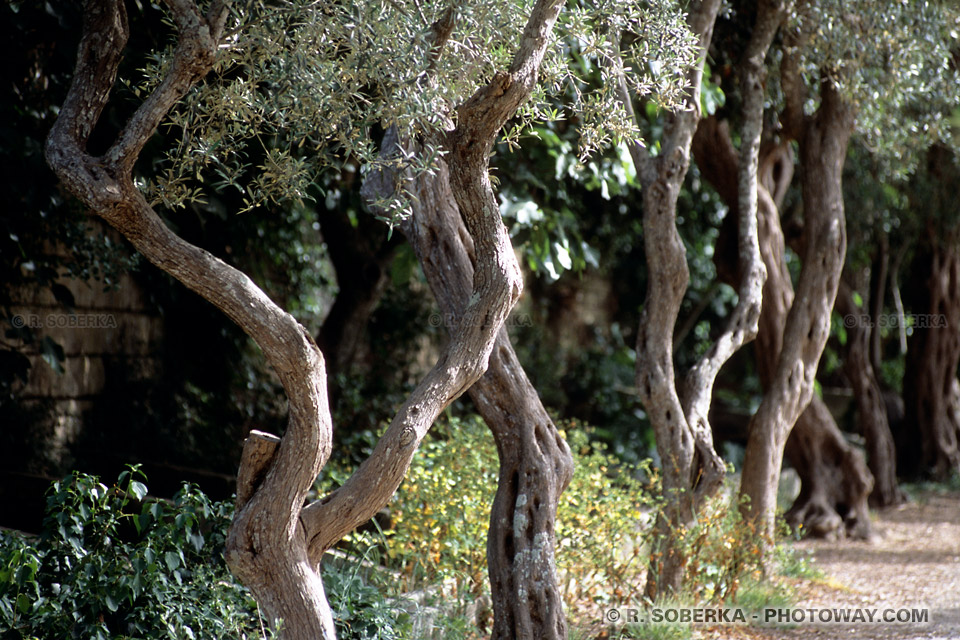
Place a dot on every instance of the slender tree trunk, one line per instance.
(668, 276)
(827, 487)
(823, 141)
(871, 409)
(535, 462)
(931, 443)
(691, 469)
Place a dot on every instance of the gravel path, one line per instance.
(912, 563)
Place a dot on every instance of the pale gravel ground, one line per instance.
(913, 562)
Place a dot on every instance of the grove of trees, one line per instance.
(761, 192)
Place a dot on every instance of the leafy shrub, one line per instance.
(439, 518)
(360, 608)
(110, 564)
(602, 525)
(723, 550)
(434, 538)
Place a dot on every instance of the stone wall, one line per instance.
(105, 325)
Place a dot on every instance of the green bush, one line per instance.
(360, 607)
(110, 564)
(435, 541)
(603, 525)
(440, 516)
(722, 550)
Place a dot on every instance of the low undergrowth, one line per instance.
(113, 564)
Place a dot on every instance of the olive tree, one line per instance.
(845, 67)
(692, 470)
(535, 463)
(276, 543)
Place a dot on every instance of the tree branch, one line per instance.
(193, 57)
(105, 185)
(791, 77)
(442, 29)
(642, 161)
(259, 450)
(483, 114)
(105, 34)
(496, 287)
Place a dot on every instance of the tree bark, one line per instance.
(930, 444)
(835, 481)
(275, 544)
(872, 419)
(496, 286)
(819, 470)
(823, 139)
(691, 468)
(286, 585)
(535, 463)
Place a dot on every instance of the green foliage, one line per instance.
(599, 385)
(723, 550)
(301, 88)
(439, 518)
(712, 96)
(793, 563)
(894, 60)
(541, 203)
(360, 608)
(439, 515)
(438, 523)
(112, 564)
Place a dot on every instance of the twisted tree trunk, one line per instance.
(834, 476)
(535, 463)
(834, 479)
(871, 409)
(678, 438)
(823, 141)
(692, 470)
(275, 544)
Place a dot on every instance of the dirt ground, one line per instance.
(913, 562)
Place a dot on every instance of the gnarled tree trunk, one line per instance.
(275, 543)
(833, 477)
(691, 469)
(535, 463)
(823, 139)
(929, 443)
(871, 409)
